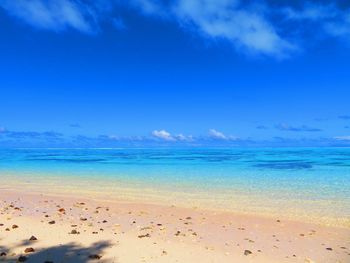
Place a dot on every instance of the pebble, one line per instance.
(29, 250)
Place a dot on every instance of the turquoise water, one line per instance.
(317, 179)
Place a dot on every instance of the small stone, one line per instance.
(247, 252)
(22, 259)
(52, 222)
(14, 226)
(95, 256)
(29, 250)
(62, 210)
(33, 238)
(3, 254)
(74, 232)
(329, 248)
(83, 219)
(142, 236)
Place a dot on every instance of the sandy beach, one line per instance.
(47, 228)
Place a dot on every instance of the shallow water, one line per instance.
(305, 182)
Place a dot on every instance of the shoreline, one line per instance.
(158, 233)
(311, 211)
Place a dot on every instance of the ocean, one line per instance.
(305, 183)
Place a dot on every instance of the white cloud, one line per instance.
(329, 18)
(163, 134)
(247, 28)
(217, 135)
(181, 137)
(257, 29)
(53, 15)
(342, 138)
(167, 136)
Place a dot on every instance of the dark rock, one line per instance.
(29, 250)
(14, 226)
(95, 256)
(3, 254)
(329, 248)
(52, 222)
(22, 259)
(247, 252)
(33, 238)
(142, 236)
(74, 232)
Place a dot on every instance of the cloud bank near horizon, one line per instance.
(157, 138)
(260, 29)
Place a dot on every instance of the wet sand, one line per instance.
(46, 228)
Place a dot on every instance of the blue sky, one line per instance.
(112, 73)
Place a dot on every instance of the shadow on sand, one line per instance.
(70, 252)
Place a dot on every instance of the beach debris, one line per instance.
(95, 256)
(22, 259)
(83, 219)
(62, 210)
(29, 250)
(14, 226)
(74, 232)
(52, 222)
(329, 248)
(7, 229)
(164, 253)
(177, 233)
(146, 235)
(1, 224)
(247, 252)
(3, 254)
(33, 238)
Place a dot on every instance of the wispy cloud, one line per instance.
(302, 128)
(163, 134)
(344, 117)
(330, 19)
(342, 138)
(167, 136)
(54, 15)
(30, 134)
(245, 27)
(261, 28)
(262, 127)
(217, 135)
